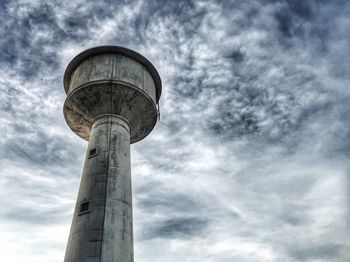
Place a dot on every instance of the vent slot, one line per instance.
(92, 152)
(84, 208)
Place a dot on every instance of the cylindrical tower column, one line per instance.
(102, 222)
(112, 96)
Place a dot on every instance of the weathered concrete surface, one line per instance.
(104, 232)
(115, 67)
(89, 101)
(111, 80)
(112, 94)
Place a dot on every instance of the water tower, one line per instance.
(112, 97)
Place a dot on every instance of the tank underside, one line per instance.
(94, 99)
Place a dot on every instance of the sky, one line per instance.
(249, 161)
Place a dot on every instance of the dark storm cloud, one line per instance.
(293, 17)
(184, 13)
(176, 228)
(39, 149)
(236, 55)
(30, 216)
(32, 32)
(22, 46)
(268, 107)
(166, 201)
(327, 252)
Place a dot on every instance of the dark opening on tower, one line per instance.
(92, 152)
(84, 208)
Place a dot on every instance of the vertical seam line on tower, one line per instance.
(109, 127)
(90, 69)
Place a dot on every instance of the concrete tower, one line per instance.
(112, 97)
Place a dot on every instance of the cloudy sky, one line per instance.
(250, 159)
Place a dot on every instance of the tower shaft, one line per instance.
(101, 230)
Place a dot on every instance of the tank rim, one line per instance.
(117, 50)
